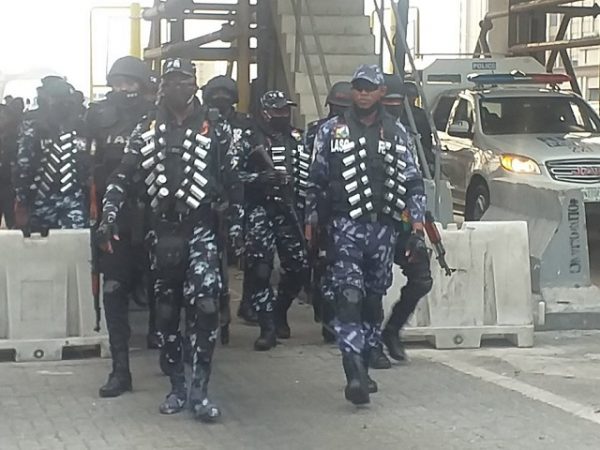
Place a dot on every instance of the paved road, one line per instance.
(545, 398)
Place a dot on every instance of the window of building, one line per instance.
(593, 95)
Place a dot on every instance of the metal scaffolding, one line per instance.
(169, 17)
(519, 10)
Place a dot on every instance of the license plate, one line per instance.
(591, 194)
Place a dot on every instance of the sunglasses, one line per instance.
(364, 86)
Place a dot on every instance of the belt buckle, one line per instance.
(373, 217)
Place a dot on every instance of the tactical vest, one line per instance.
(363, 181)
(110, 130)
(290, 156)
(58, 168)
(177, 168)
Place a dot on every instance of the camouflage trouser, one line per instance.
(270, 228)
(59, 211)
(362, 256)
(198, 294)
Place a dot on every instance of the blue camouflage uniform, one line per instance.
(273, 222)
(51, 172)
(176, 169)
(366, 176)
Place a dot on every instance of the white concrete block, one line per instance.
(489, 294)
(46, 290)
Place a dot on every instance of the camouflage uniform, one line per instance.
(273, 221)
(369, 176)
(185, 248)
(46, 150)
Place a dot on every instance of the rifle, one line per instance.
(436, 240)
(260, 159)
(95, 269)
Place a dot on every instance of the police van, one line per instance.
(507, 118)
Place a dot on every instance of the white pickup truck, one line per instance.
(510, 124)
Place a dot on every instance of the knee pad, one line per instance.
(420, 286)
(164, 314)
(207, 315)
(373, 309)
(111, 287)
(260, 272)
(349, 305)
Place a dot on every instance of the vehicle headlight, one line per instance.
(520, 164)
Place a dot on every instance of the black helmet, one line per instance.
(394, 85)
(130, 66)
(340, 94)
(55, 86)
(220, 82)
(275, 100)
(410, 89)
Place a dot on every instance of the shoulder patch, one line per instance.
(297, 134)
(342, 131)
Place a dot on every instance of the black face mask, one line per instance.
(123, 99)
(179, 98)
(280, 123)
(394, 110)
(223, 104)
(360, 112)
(59, 109)
(337, 110)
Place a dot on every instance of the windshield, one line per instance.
(534, 115)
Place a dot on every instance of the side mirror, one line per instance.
(461, 129)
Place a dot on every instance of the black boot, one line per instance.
(371, 383)
(153, 340)
(204, 410)
(176, 399)
(376, 359)
(328, 335)
(282, 329)
(119, 380)
(267, 339)
(391, 339)
(357, 389)
(247, 313)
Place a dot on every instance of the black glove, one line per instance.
(274, 178)
(107, 231)
(416, 248)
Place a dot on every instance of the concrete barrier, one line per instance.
(558, 241)
(489, 295)
(45, 295)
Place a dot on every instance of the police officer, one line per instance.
(338, 100)
(175, 161)
(10, 120)
(51, 172)
(109, 124)
(221, 92)
(393, 101)
(275, 174)
(421, 122)
(364, 164)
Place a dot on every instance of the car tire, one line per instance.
(478, 201)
